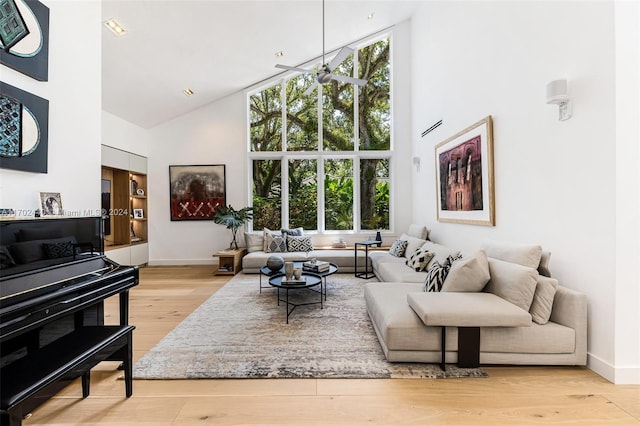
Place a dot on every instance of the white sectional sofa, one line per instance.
(542, 323)
(257, 256)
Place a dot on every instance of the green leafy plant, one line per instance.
(233, 219)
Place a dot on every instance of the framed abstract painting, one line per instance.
(197, 191)
(464, 176)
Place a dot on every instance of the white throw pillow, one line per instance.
(514, 283)
(254, 241)
(543, 299)
(523, 254)
(468, 274)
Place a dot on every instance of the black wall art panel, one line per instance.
(24, 130)
(24, 37)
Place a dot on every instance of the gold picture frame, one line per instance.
(464, 176)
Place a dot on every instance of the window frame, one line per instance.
(321, 155)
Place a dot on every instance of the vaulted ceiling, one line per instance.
(217, 48)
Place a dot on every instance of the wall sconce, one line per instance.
(416, 162)
(558, 94)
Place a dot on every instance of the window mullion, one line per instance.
(284, 196)
(320, 183)
(356, 121)
(283, 98)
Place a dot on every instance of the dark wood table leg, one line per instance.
(468, 347)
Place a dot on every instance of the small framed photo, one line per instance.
(138, 214)
(50, 204)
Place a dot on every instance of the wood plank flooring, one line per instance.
(166, 295)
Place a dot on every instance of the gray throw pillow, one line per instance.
(514, 283)
(254, 241)
(543, 299)
(469, 274)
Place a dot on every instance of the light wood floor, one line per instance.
(166, 295)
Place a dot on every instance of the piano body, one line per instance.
(54, 278)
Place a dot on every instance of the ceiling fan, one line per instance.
(324, 74)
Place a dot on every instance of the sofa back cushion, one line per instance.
(440, 253)
(514, 283)
(413, 244)
(418, 231)
(523, 254)
(469, 274)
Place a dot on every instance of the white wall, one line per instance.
(216, 134)
(627, 303)
(555, 182)
(123, 135)
(74, 94)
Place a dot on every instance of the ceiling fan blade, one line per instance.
(345, 79)
(287, 67)
(310, 88)
(341, 56)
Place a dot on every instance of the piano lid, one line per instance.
(28, 245)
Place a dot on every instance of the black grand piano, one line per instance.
(54, 278)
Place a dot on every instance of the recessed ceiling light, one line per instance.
(279, 53)
(371, 15)
(188, 92)
(116, 28)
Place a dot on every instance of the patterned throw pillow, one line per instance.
(419, 259)
(268, 232)
(398, 248)
(58, 250)
(295, 243)
(438, 273)
(275, 243)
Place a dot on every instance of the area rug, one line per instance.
(241, 333)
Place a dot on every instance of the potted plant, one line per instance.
(233, 219)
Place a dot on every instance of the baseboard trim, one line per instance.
(627, 375)
(181, 262)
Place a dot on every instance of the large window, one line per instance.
(328, 152)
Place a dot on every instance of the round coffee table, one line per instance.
(333, 268)
(310, 281)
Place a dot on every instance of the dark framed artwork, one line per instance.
(196, 192)
(24, 37)
(464, 176)
(24, 130)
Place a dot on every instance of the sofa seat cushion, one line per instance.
(396, 324)
(551, 338)
(342, 258)
(467, 310)
(258, 259)
(399, 272)
(378, 257)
